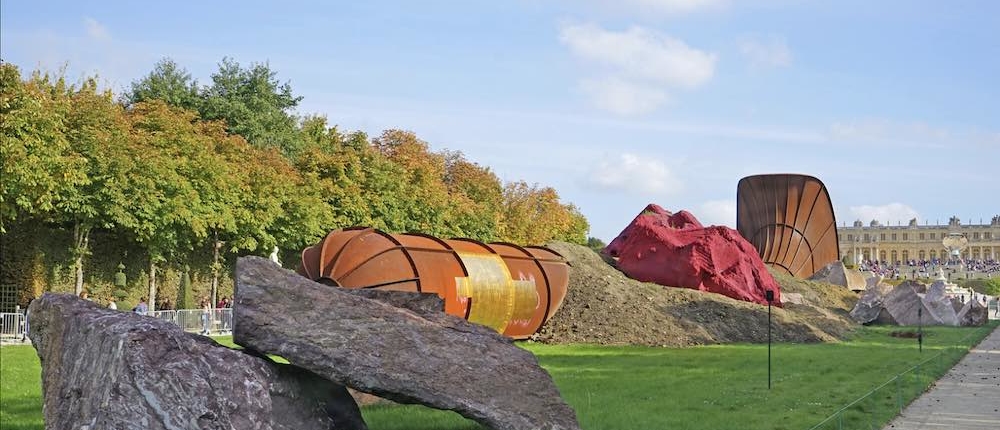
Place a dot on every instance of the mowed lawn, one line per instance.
(707, 387)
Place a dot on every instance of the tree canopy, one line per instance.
(177, 169)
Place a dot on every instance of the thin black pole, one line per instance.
(769, 295)
(920, 329)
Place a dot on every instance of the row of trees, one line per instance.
(175, 168)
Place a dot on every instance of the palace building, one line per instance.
(899, 244)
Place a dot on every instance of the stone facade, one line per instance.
(917, 242)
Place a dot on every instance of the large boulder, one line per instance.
(105, 369)
(940, 305)
(905, 306)
(429, 358)
(675, 250)
(973, 314)
(869, 305)
(837, 274)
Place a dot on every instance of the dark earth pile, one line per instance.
(603, 306)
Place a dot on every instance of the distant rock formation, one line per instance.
(404, 355)
(913, 303)
(837, 274)
(105, 369)
(676, 250)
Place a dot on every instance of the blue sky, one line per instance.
(895, 105)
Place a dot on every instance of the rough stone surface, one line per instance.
(675, 250)
(105, 369)
(869, 306)
(835, 273)
(973, 314)
(939, 305)
(436, 359)
(912, 302)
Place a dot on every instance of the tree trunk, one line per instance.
(215, 269)
(152, 284)
(81, 240)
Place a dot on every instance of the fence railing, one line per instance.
(208, 322)
(883, 403)
(11, 326)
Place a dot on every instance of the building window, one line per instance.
(850, 238)
(933, 254)
(906, 254)
(905, 238)
(921, 255)
(882, 237)
(921, 238)
(975, 236)
(894, 237)
(932, 237)
(867, 239)
(987, 235)
(894, 260)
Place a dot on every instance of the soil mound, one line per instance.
(603, 306)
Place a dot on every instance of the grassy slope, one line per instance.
(710, 387)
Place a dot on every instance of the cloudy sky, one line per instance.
(895, 105)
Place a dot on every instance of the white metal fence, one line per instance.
(11, 326)
(209, 322)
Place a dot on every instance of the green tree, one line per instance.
(185, 296)
(253, 104)
(596, 244)
(168, 82)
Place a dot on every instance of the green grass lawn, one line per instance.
(709, 387)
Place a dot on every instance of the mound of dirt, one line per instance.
(603, 306)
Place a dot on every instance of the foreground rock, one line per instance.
(104, 369)
(837, 274)
(433, 359)
(675, 250)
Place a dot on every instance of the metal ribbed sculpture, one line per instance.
(510, 288)
(789, 219)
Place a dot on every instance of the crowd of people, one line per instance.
(926, 268)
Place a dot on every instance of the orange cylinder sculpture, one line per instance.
(510, 288)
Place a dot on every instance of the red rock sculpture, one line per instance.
(676, 250)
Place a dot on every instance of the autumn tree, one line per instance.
(533, 214)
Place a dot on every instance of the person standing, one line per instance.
(206, 316)
(142, 307)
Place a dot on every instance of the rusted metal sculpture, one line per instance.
(789, 219)
(510, 288)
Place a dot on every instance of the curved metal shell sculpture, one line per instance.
(789, 219)
(510, 288)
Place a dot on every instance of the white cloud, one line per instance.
(717, 212)
(95, 30)
(623, 97)
(643, 54)
(632, 173)
(916, 135)
(640, 66)
(772, 53)
(887, 214)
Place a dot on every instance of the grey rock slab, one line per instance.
(837, 274)
(371, 346)
(869, 305)
(106, 369)
(973, 314)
